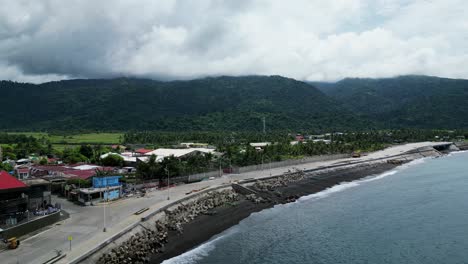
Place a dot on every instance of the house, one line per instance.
(126, 170)
(326, 141)
(142, 151)
(22, 172)
(118, 147)
(54, 161)
(47, 170)
(13, 200)
(79, 174)
(23, 162)
(259, 146)
(299, 137)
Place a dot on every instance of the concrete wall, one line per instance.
(201, 176)
(23, 229)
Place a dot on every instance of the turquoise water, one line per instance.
(415, 214)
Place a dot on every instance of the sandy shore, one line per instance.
(205, 227)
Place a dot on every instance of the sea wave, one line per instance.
(457, 153)
(347, 185)
(202, 250)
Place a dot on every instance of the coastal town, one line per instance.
(233, 132)
(45, 200)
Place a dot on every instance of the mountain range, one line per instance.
(234, 103)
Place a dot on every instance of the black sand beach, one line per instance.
(205, 227)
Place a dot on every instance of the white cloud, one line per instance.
(170, 39)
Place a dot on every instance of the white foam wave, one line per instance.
(328, 191)
(201, 251)
(457, 153)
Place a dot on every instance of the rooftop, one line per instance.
(9, 182)
(31, 182)
(81, 174)
(143, 151)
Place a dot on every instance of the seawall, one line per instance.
(149, 236)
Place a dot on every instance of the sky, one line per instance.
(310, 40)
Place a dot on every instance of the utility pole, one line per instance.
(220, 170)
(264, 126)
(262, 161)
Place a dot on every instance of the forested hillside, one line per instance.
(222, 103)
(406, 101)
(234, 104)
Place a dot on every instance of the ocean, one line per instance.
(417, 213)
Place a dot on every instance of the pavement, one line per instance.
(86, 224)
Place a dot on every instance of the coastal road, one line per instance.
(86, 224)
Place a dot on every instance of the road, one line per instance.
(86, 224)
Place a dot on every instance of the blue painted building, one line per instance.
(105, 188)
(107, 181)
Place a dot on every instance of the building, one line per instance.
(142, 151)
(326, 141)
(23, 162)
(162, 153)
(259, 146)
(129, 160)
(22, 173)
(299, 137)
(39, 194)
(13, 199)
(104, 189)
(193, 145)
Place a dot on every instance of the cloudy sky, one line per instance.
(169, 39)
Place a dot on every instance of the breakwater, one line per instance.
(152, 239)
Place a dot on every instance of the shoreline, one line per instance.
(204, 227)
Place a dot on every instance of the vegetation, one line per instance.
(210, 104)
(404, 102)
(113, 160)
(229, 104)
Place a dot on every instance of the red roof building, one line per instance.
(81, 174)
(9, 182)
(143, 151)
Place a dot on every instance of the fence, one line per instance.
(286, 163)
(237, 170)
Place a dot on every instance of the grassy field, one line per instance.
(90, 138)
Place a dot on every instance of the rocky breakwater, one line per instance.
(267, 189)
(140, 247)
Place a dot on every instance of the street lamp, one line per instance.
(106, 199)
(269, 163)
(167, 170)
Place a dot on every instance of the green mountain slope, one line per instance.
(406, 101)
(222, 103)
